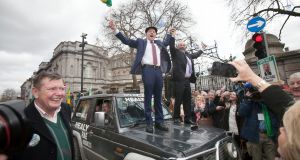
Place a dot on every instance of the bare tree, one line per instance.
(9, 94)
(134, 16)
(243, 10)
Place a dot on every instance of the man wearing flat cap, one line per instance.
(151, 61)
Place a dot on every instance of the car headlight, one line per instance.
(135, 156)
(232, 150)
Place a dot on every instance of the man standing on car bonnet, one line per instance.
(183, 74)
(151, 60)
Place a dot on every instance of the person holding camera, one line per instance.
(277, 101)
(50, 121)
(182, 74)
(260, 126)
(275, 98)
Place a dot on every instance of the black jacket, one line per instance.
(46, 149)
(179, 62)
(277, 100)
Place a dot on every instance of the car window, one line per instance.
(82, 110)
(104, 105)
(131, 111)
(126, 117)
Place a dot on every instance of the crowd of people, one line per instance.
(254, 111)
(257, 112)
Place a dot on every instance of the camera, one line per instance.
(15, 130)
(223, 69)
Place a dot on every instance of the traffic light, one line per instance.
(259, 45)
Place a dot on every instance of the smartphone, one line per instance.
(223, 69)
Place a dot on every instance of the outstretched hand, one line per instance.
(245, 73)
(172, 31)
(112, 25)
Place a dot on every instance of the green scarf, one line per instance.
(267, 120)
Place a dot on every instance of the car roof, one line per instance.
(113, 95)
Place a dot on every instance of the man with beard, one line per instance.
(183, 74)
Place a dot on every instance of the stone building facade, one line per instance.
(288, 62)
(101, 73)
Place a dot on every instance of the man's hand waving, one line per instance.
(112, 25)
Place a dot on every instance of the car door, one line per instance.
(81, 122)
(102, 145)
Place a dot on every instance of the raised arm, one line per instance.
(130, 42)
(197, 54)
(169, 37)
(172, 46)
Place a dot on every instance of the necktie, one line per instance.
(189, 64)
(154, 53)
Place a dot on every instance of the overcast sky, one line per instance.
(31, 29)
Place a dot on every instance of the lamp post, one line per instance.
(82, 44)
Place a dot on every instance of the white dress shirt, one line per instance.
(148, 58)
(47, 116)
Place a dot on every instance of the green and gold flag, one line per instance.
(107, 2)
(68, 99)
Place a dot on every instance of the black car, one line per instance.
(112, 126)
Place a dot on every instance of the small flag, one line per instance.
(203, 45)
(68, 99)
(107, 2)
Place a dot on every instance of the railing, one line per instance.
(213, 83)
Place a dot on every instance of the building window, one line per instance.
(88, 71)
(71, 70)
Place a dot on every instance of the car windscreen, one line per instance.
(130, 111)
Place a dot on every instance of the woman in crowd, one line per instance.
(233, 118)
(199, 107)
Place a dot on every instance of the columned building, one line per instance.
(101, 73)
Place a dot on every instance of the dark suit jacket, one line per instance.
(179, 62)
(267, 73)
(140, 45)
(46, 149)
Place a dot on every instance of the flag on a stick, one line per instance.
(107, 2)
(68, 99)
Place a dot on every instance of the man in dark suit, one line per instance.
(151, 61)
(183, 74)
(50, 119)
